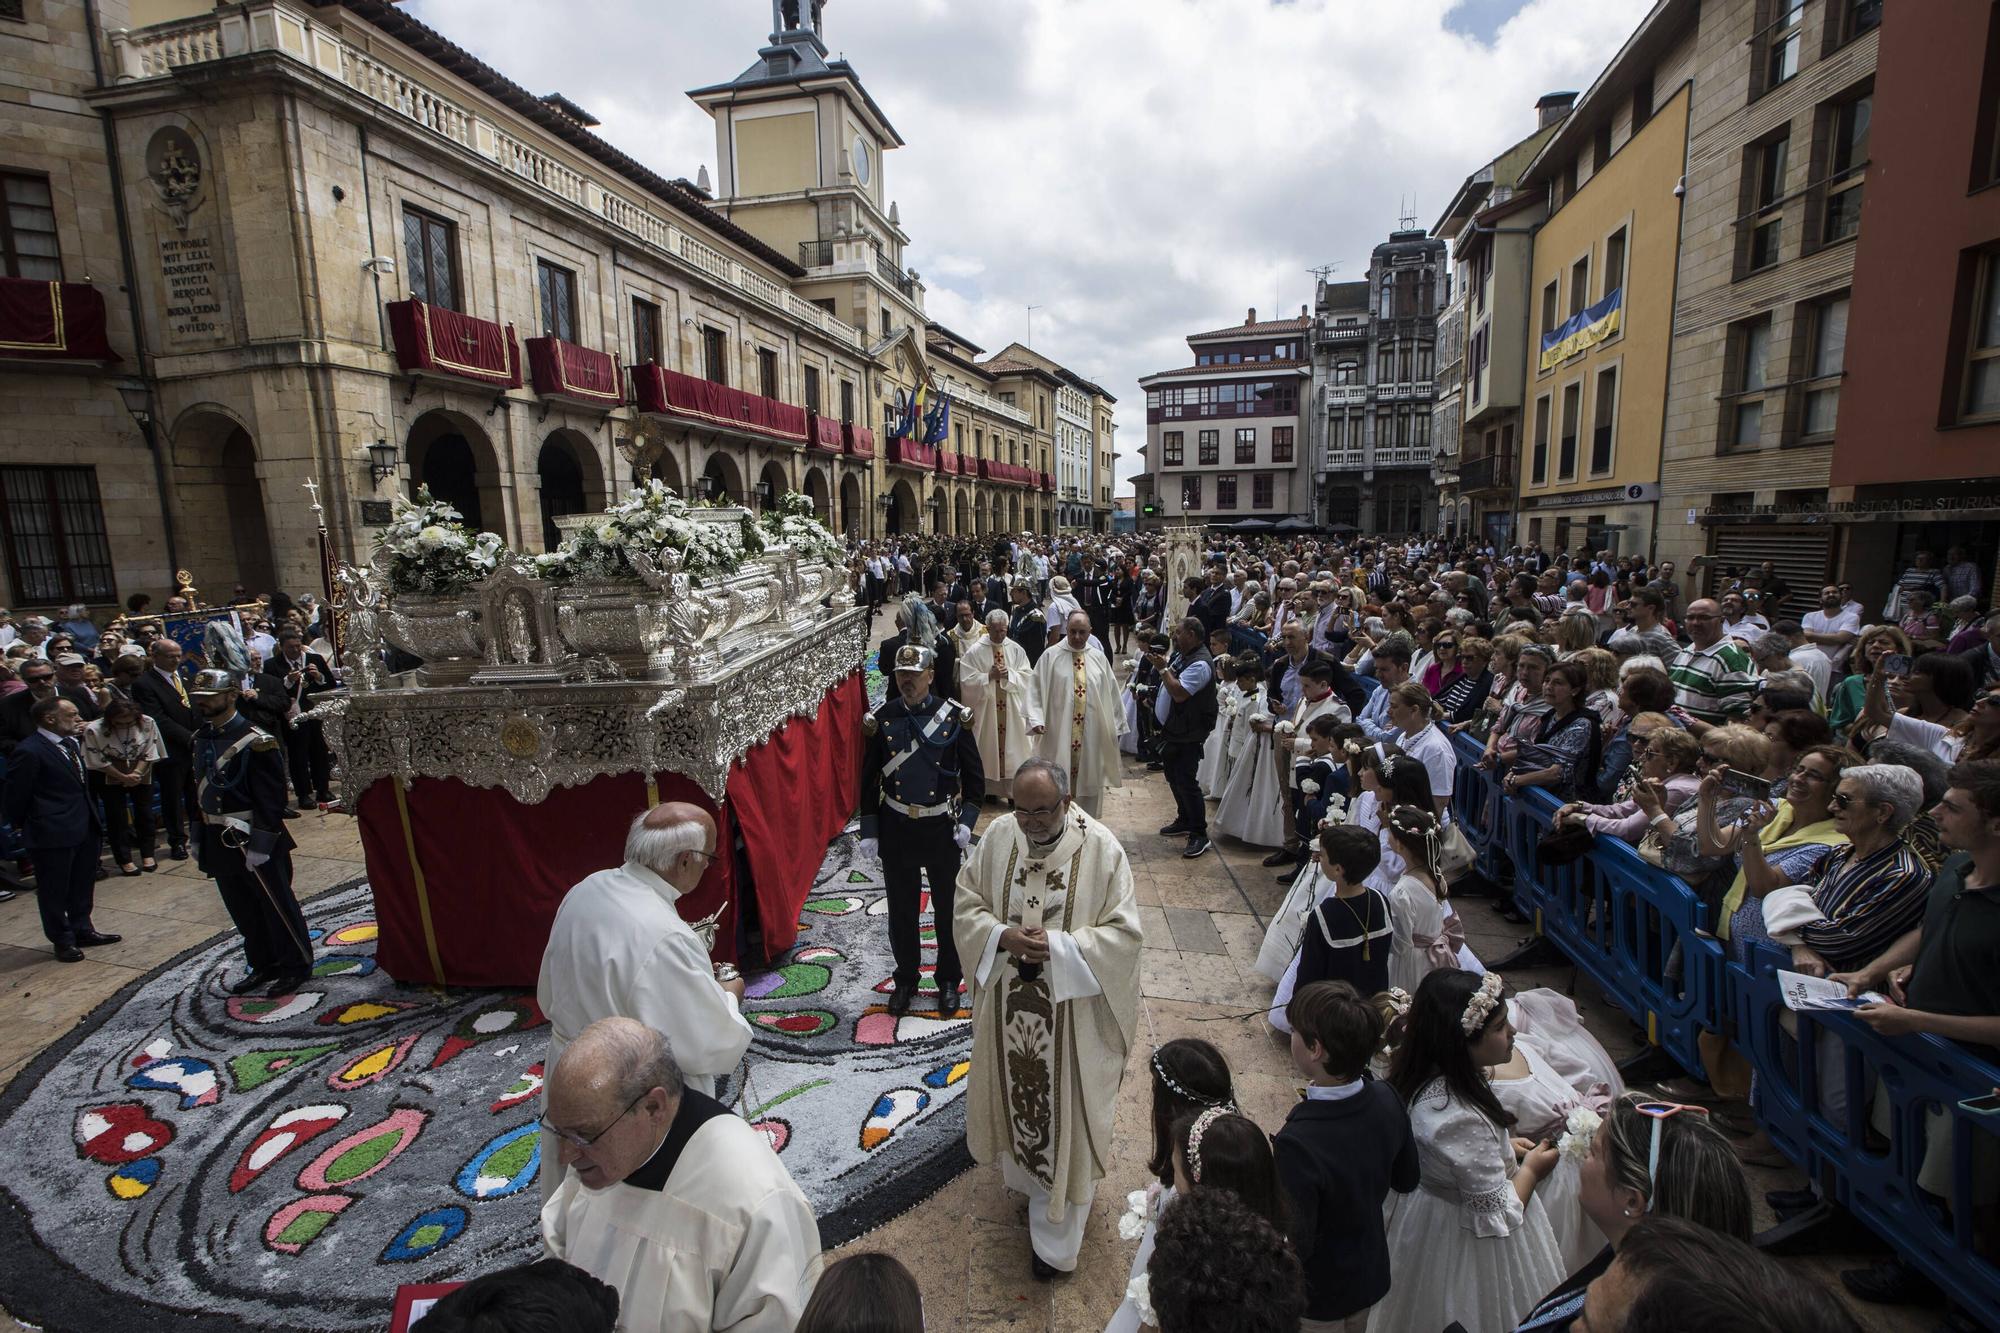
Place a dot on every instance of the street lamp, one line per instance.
(381, 461)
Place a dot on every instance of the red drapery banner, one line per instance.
(670, 393)
(860, 441)
(52, 321)
(565, 370)
(823, 432)
(444, 342)
(467, 880)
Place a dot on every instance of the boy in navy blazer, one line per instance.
(1341, 1151)
(48, 799)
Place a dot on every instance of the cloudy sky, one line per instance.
(1137, 169)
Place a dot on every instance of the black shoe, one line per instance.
(1891, 1282)
(1155, 766)
(1174, 830)
(6, 895)
(88, 937)
(254, 980)
(68, 953)
(947, 1001)
(1281, 857)
(326, 798)
(1196, 845)
(1289, 873)
(899, 1000)
(1790, 1201)
(1043, 1271)
(291, 812)
(285, 983)
(179, 852)
(102, 873)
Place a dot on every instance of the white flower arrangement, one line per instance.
(1579, 1133)
(1309, 787)
(1139, 1291)
(1132, 1224)
(1285, 728)
(793, 522)
(429, 549)
(1255, 718)
(652, 521)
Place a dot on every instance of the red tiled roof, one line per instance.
(1296, 325)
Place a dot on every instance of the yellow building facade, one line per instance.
(1600, 325)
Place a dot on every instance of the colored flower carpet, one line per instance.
(188, 1159)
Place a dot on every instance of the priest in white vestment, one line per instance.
(677, 1203)
(996, 681)
(1082, 713)
(1046, 919)
(619, 949)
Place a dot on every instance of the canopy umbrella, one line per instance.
(1294, 524)
(1341, 527)
(1247, 525)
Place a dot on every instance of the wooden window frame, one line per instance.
(1813, 383)
(1173, 448)
(1208, 448)
(1225, 491)
(767, 373)
(10, 253)
(1281, 444)
(1574, 427)
(811, 383)
(1616, 370)
(426, 220)
(60, 531)
(646, 326)
(1741, 393)
(1245, 458)
(1839, 182)
(1263, 491)
(1191, 492)
(714, 355)
(556, 299)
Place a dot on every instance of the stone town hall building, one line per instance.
(247, 244)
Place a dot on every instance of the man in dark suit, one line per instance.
(48, 799)
(1211, 604)
(162, 694)
(306, 676)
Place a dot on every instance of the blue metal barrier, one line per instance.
(1619, 918)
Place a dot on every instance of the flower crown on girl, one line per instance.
(1480, 1005)
(1201, 1124)
(1227, 1100)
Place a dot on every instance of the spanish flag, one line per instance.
(1585, 329)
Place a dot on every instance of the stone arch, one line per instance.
(219, 499)
(903, 515)
(816, 491)
(451, 455)
(571, 481)
(940, 510)
(663, 467)
(853, 513)
(961, 510)
(772, 484)
(1013, 514)
(996, 516)
(721, 480)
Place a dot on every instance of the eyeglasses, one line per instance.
(579, 1141)
(1987, 700)
(1660, 1113)
(1801, 771)
(1840, 800)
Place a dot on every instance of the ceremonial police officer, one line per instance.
(239, 774)
(921, 785)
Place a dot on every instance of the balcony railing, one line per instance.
(1489, 472)
(815, 254)
(894, 276)
(1336, 333)
(575, 374)
(908, 453)
(52, 321)
(274, 26)
(670, 393)
(1346, 393)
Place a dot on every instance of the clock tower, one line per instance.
(799, 147)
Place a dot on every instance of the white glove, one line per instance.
(255, 859)
(870, 849)
(962, 835)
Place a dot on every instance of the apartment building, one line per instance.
(1222, 434)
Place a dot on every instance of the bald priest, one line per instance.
(670, 1198)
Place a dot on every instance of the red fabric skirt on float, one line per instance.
(467, 879)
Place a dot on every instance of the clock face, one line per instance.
(862, 163)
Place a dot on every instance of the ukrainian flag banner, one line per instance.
(1584, 329)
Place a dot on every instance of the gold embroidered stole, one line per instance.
(1032, 1040)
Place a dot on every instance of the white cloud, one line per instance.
(1137, 169)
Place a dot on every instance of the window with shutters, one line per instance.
(28, 228)
(767, 372)
(1827, 319)
(847, 400)
(645, 332)
(430, 258)
(1572, 411)
(556, 287)
(53, 525)
(812, 388)
(1604, 422)
(1539, 473)
(714, 355)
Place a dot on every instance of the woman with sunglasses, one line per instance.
(1445, 668)
(1647, 1159)
(1474, 1244)
(1470, 688)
